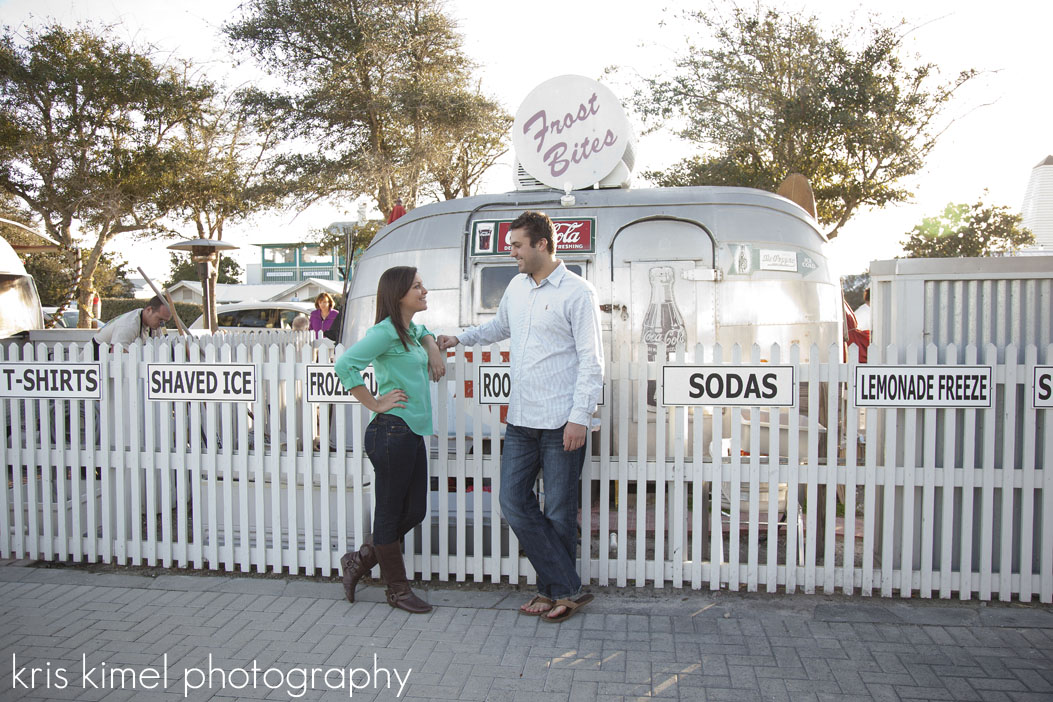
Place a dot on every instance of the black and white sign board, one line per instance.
(923, 386)
(1043, 395)
(44, 379)
(323, 384)
(762, 385)
(494, 386)
(215, 382)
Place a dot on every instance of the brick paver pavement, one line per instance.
(68, 633)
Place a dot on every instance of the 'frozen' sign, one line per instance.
(570, 132)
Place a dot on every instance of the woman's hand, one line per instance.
(390, 400)
(436, 359)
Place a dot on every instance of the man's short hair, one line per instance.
(538, 226)
(156, 303)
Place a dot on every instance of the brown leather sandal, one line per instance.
(572, 606)
(537, 600)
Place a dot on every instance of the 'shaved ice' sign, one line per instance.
(215, 382)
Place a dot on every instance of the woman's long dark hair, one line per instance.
(394, 284)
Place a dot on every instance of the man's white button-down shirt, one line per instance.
(556, 348)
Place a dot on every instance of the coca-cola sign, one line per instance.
(570, 132)
(572, 236)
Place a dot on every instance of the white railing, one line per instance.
(927, 502)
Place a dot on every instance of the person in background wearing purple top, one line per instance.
(324, 316)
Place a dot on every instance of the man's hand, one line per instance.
(574, 436)
(446, 342)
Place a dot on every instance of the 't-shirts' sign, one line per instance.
(572, 236)
(66, 381)
(761, 385)
(570, 131)
(1043, 396)
(923, 386)
(323, 385)
(217, 382)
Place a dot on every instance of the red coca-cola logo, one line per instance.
(571, 235)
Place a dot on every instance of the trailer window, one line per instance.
(494, 279)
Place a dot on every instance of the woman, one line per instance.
(403, 355)
(323, 316)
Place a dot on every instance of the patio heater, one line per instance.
(205, 253)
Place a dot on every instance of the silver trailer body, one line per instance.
(736, 265)
(20, 308)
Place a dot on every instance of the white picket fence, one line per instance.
(914, 502)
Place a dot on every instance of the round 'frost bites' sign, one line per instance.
(570, 132)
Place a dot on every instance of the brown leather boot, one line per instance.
(354, 565)
(393, 570)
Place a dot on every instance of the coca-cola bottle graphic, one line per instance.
(663, 324)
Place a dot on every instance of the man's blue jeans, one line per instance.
(550, 540)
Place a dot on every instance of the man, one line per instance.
(552, 318)
(136, 324)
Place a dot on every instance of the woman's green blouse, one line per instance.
(396, 368)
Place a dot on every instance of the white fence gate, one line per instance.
(932, 502)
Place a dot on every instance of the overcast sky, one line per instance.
(1003, 131)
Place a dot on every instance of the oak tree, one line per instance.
(765, 93)
(229, 149)
(378, 92)
(968, 231)
(87, 125)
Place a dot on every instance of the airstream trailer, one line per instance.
(671, 266)
(690, 266)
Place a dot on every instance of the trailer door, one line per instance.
(663, 279)
(662, 282)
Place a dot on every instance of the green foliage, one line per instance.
(87, 132)
(334, 240)
(228, 151)
(381, 92)
(852, 287)
(229, 272)
(51, 271)
(111, 308)
(765, 94)
(967, 231)
(466, 146)
(54, 278)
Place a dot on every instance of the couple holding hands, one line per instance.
(551, 317)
